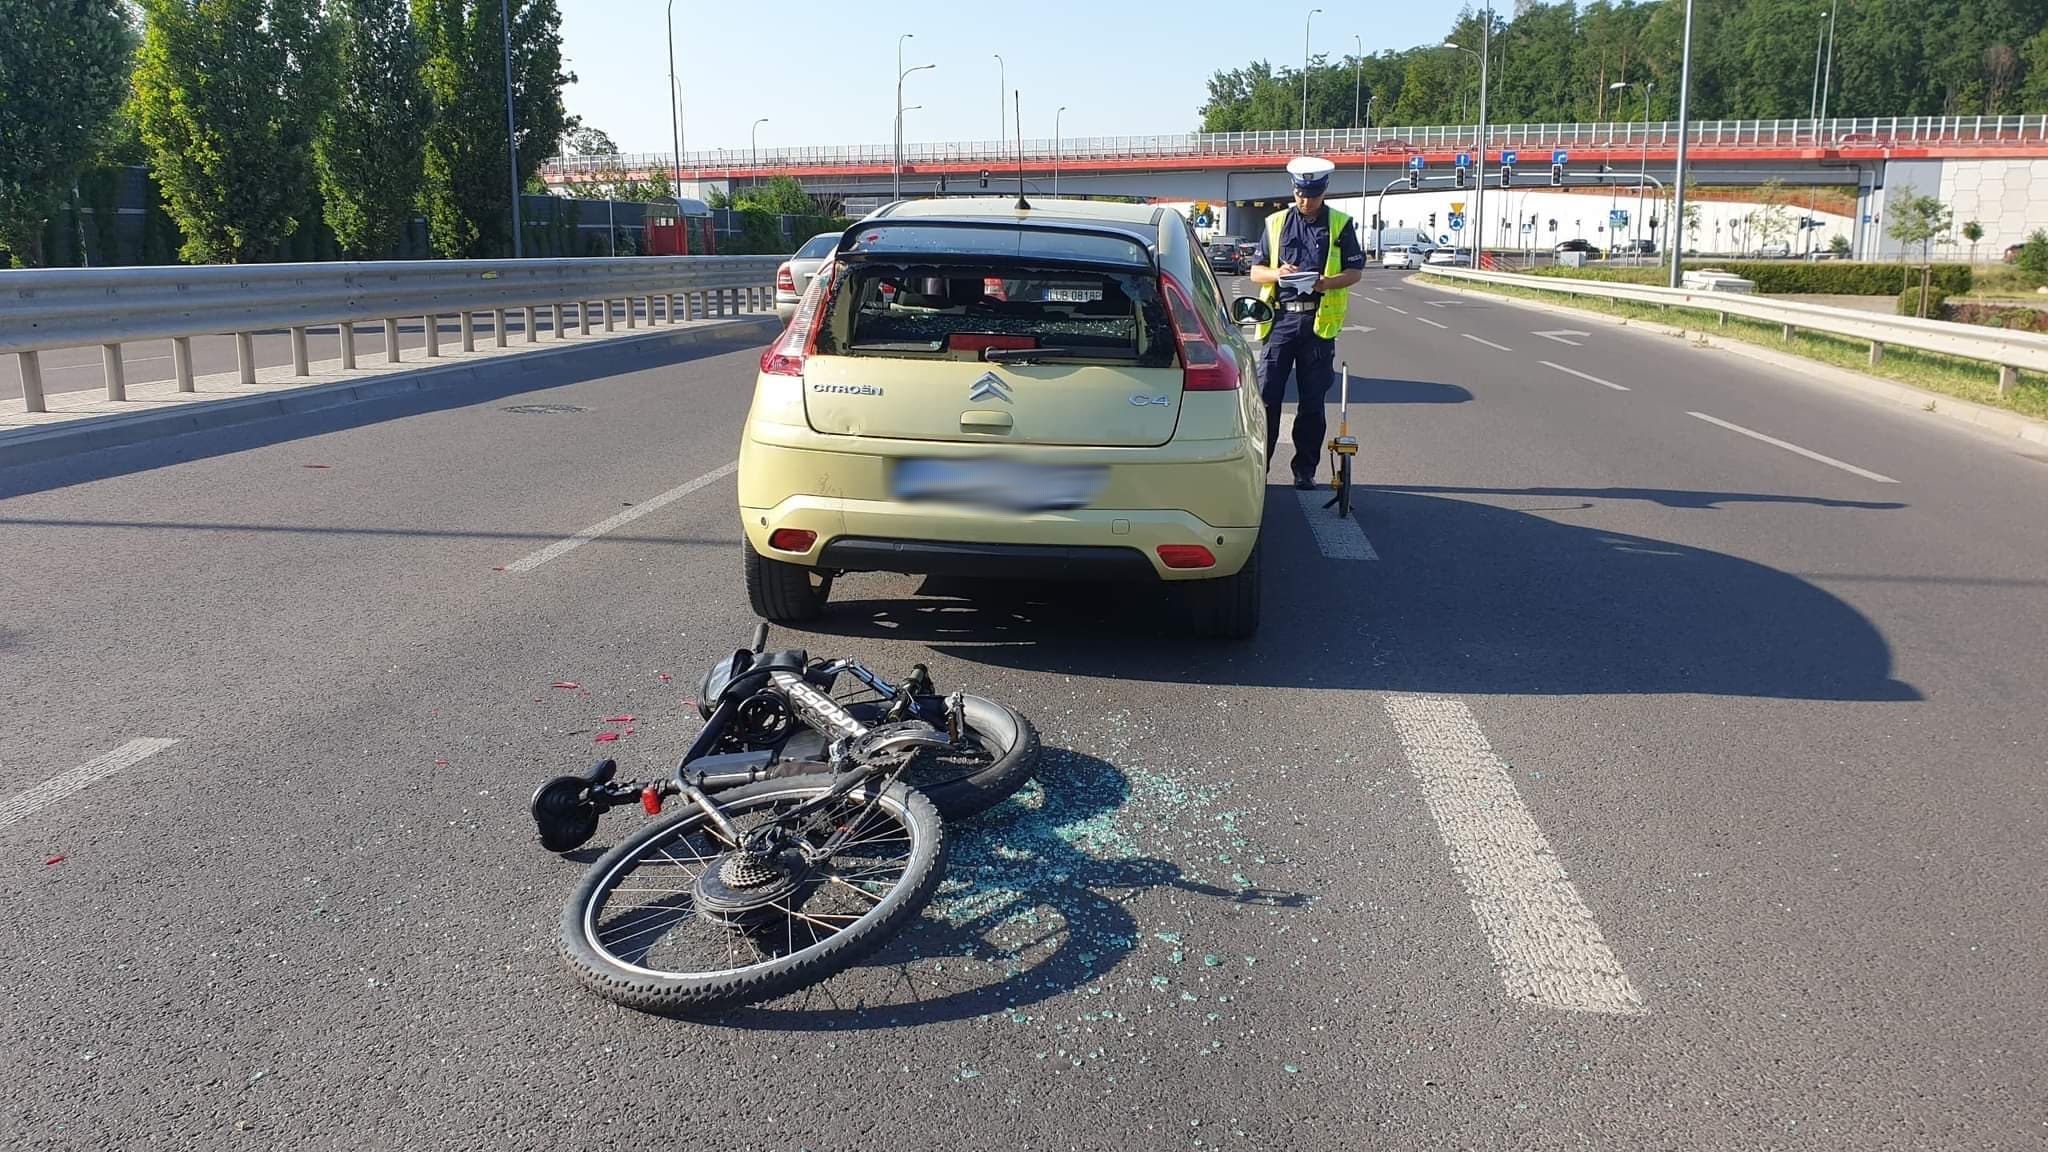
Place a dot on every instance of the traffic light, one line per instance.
(1432, 219)
(942, 183)
(1377, 223)
(1507, 175)
(1556, 175)
(1414, 179)
(1458, 177)
(984, 177)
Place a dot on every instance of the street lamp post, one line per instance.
(1304, 68)
(1678, 176)
(1642, 173)
(1056, 150)
(1820, 39)
(1002, 86)
(1827, 72)
(896, 187)
(1479, 190)
(511, 132)
(754, 141)
(675, 122)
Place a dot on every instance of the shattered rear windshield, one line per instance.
(913, 240)
(954, 312)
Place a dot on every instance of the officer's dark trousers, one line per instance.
(1293, 344)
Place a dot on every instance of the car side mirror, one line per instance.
(1251, 310)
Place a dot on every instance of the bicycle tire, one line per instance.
(599, 968)
(1343, 487)
(995, 725)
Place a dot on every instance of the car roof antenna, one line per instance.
(1023, 205)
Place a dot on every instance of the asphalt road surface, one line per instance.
(1671, 777)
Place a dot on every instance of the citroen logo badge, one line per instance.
(989, 387)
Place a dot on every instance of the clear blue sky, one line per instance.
(824, 72)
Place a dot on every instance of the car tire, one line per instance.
(1226, 608)
(784, 593)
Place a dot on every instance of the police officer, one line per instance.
(1306, 238)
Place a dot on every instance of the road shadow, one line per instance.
(1035, 906)
(1387, 390)
(509, 377)
(1473, 600)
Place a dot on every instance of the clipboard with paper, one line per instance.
(1303, 282)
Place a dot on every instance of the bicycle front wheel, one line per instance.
(1343, 486)
(676, 919)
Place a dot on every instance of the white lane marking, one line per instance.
(1488, 343)
(26, 804)
(1582, 375)
(1391, 308)
(1336, 539)
(1809, 453)
(1431, 323)
(534, 560)
(1544, 939)
(1560, 334)
(1358, 328)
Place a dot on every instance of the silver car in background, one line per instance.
(795, 274)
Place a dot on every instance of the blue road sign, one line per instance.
(1444, 239)
(1415, 162)
(1508, 158)
(1464, 160)
(1560, 156)
(1201, 221)
(1457, 221)
(1618, 217)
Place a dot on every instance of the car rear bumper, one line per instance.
(1013, 561)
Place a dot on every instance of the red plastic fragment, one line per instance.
(440, 763)
(565, 684)
(618, 719)
(316, 465)
(689, 703)
(650, 800)
(607, 737)
(53, 860)
(629, 731)
(665, 677)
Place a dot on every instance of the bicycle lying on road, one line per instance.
(809, 830)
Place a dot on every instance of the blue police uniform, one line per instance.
(1293, 343)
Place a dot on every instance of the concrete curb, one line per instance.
(1983, 418)
(96, 433)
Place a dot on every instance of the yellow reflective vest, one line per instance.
(1330, 315)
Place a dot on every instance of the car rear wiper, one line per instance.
(1027, 355)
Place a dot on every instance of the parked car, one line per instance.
(1637, 248)
(2012, 252)
(1575, 245)
(1399, 256)
(1044, 435)
(1775, 250)
(795, 274)
(1226, 258)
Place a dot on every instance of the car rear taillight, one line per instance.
(785, 280)
(1186, 556)
(785, 357)
(792, 539)
(1206, 367)
(992, 287)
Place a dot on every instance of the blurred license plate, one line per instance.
(1004, 484)
(1072, 295)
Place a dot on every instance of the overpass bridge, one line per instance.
(1942, 155)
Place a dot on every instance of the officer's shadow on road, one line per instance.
(1467, 598)
(1388, 390)
(1035, 905)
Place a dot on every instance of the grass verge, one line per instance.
(1963, 379)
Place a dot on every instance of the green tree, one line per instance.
(2033, 257)
(1773, 221)
(1912, 219)
(782, 196)
(228, 95)
(466, 194)
(1973, 232)
(63, 69)
(368, 149)
(1839, 245)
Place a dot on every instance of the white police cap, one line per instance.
(1310, 173)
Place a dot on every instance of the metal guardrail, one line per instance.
(77, 307)
(2008, 350)
(1882, 131)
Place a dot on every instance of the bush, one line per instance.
(1937, 302)
(2033, 257)
(1994, 316)
(1822, 277)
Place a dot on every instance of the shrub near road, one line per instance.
(1775, 277)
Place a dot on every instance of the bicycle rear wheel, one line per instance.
(1343, 486)
(676, 920)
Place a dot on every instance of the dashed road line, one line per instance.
(1488, 343)
(26, 804)
(1391, 308)
(1583, 375)
(532, 560)
(1545, 942)
(1359, 328)
(1562, 336)
(1337, 538)
(1431, 323)
(1788, 446)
